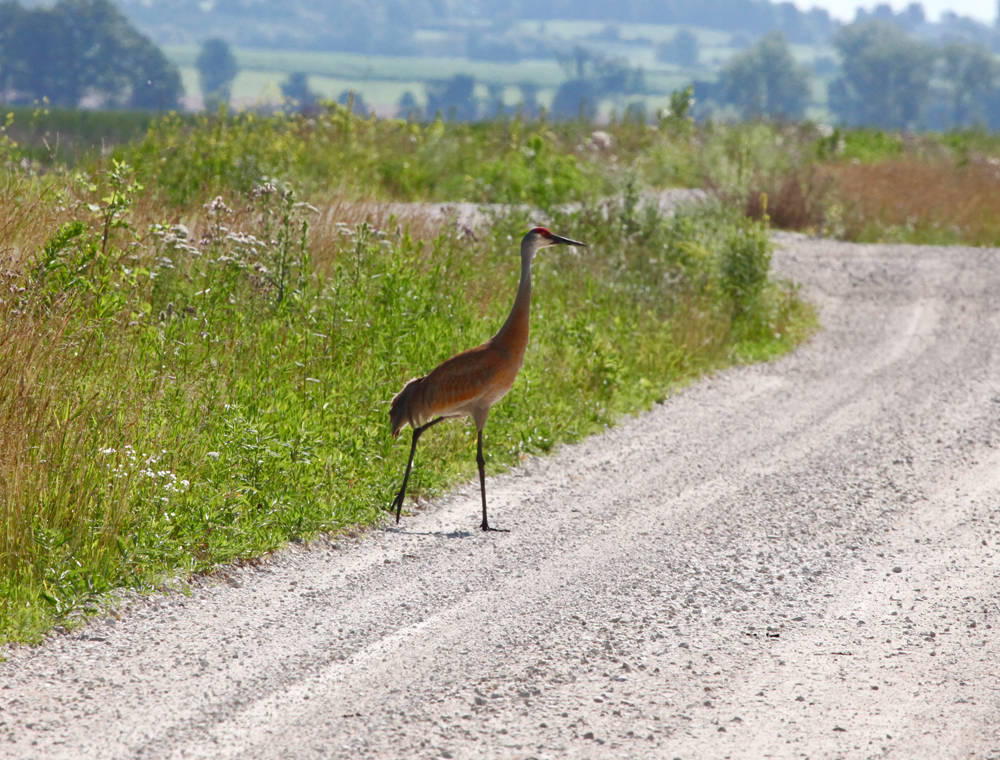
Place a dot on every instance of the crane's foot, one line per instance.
(397, 504)
(486, 528)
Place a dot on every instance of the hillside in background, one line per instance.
(495, 29)
(486, 29)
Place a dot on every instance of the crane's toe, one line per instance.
(397, 504)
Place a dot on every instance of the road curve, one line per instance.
(787, 560)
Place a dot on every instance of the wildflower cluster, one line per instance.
(142, 470)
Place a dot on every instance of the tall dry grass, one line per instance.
(65, 396)
(795, 200)
(921, 202)
(29, 211)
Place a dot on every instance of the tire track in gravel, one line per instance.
(730, 575)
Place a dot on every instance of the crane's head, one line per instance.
(540, 238)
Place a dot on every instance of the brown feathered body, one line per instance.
(469, 383)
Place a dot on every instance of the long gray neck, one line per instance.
(516, 325)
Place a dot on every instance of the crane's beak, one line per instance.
(556, 240)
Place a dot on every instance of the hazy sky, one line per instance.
(982, 10)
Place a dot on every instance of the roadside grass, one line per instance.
(183, 384)
(336, 152)
(67, 136)
(815, 179)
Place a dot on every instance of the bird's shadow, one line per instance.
(438, 533)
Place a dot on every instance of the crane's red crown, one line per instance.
(542, 231)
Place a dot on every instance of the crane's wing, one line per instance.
(471, 380)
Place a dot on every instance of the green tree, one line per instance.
(407, 107)
(765, 80)
(495, 105)
(576, 99)
(155, 83)
(78, 48)
(529, 99)
(216, 71)
(295, 90)
(971, 72)
(592, 76)
(885, 76)
(10, 18)
(682, 50)
(355, 101)
(40, 59)
(453, 99)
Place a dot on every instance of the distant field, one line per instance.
(809, 53)
(69, 135)
(716, 46)
(384, 79)
(576, 30)
(262, 87)
(254, 86)
(355, 67)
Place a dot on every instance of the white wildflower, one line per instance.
(601, 140)
(217, 204)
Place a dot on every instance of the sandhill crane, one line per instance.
(472, 381)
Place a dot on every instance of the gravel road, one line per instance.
(793, 559)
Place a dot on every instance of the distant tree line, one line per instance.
(890, 79)
(389, 26)
(683, 50)
(887, 78)
(217, 69)
(590, 78)
(375, 26)
(81, 50)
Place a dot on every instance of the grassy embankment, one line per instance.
(173, 397)
(66, 136)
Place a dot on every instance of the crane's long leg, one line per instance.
(482, 484)
(417, 432)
